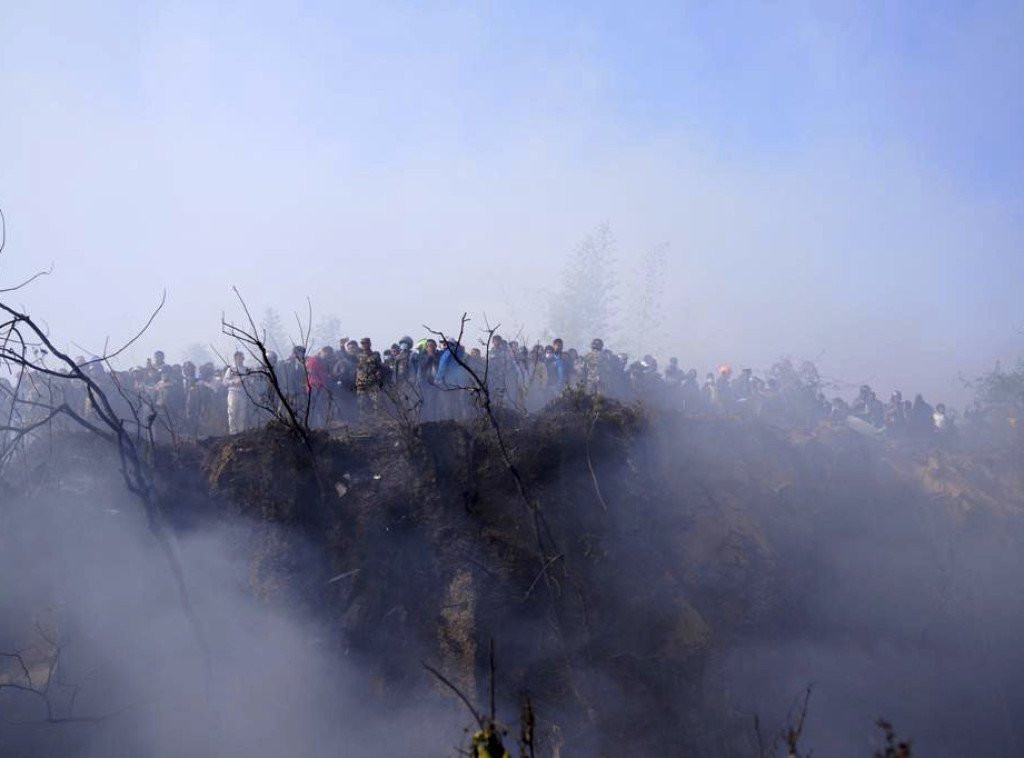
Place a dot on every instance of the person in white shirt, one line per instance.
(238, 401)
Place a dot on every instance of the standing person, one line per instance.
(554, 374)
(922, 418)
(345, 379)
(945, 427)
(895, 421)
(317, 379)
(600, 369)
(453, 380)
(404, 363)
(693, 398)
(294, 374)
(426, 369)
(403, 374)
(723, 388)
(270, 403)
(369, 377)
(592, 365)
(674, 375)
(238, 402)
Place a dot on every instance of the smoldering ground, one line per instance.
(89, 576)
(724, 566)
(898, 606)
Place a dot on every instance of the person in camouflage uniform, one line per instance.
(369, 377)
(598, 368)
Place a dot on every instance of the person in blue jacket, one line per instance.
(453, 380)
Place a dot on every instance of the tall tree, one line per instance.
(327, 332)
(586, 304)
(198, 354)
(277, 337)
(647, 301)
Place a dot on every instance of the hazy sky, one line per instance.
(839, 181)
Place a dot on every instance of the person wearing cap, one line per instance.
(404, 362)
(597, 367)
(369, 377)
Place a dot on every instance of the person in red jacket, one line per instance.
(318, 374)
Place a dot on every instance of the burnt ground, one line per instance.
(640, 554)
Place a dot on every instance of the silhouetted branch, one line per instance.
(465, 700)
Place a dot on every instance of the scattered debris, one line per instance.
(339, 577)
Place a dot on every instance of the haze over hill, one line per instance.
(840, 183)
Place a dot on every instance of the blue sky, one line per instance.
(840, 181)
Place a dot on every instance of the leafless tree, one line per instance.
(36, 679)
(28, 351)
(479, 389)
(277, 404)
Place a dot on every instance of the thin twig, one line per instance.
(441, 677)
(537, 578)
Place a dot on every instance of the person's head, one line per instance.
(691, 374)
(940, 408)
(556, 343)
(475, 352)
(158, 358)
(352, 347)
(597, 344)
(327, 352)
(431, 347)
(405, 344)
(673, 362)
(549, 352)
(365, 344)
(725, 370)
(299, 351)
(239, 358)
(188, 370)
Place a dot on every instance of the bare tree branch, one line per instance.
(465, 700)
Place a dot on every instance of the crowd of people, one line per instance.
(428, 379)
